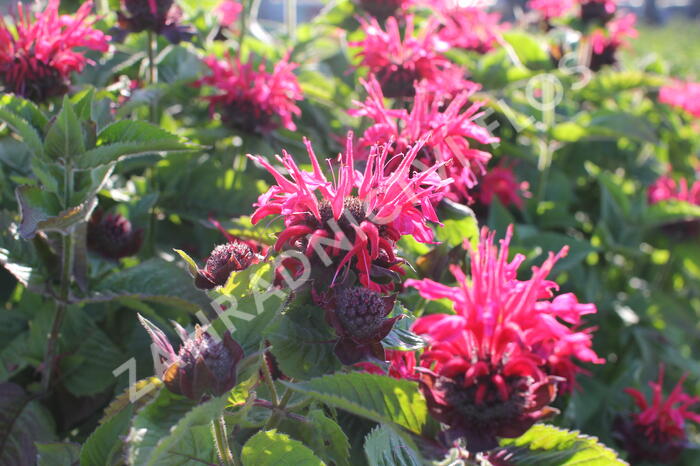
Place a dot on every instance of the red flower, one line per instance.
(665, 188)
(684, 95)
(112, 236)
(550, 9)
(402, 365)
(398, 63)
(160, 16)
(450, 124)
(382, 9)
(250, 99)
(500, 181)
(490, 370)
(657, 432)
(38, 55)
(471, 28)
(605, 43)
(223, 260)
(355, 220)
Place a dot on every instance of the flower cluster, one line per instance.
(550, 9)
(500, 182)
(685, 95)
(666, 188)
(38, 54)
(382, 9)
(606, 43)
(657, 432)
(112, 236)
(491, 369)
(449, 123)
(252, 99)
(399, 62)
(223, 260)
(471, 28)
(159, 16)
(354, 221)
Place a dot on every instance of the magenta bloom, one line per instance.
(398, 63)
(228, 12)
(402, 365)
(666, 188)
(357, 218)
(450, 124)
(550, 9)
(500, 182)
(490, 369)
(37, 55)
(382, 9)
(471, 28)
(684, 95)
(250, 99)
(605, 43)
(657, 432)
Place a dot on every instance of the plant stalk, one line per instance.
(277, 411)
(151, 48)
(221, 441)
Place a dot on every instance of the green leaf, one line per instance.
(455, 231)
(375, 397)
(53, 454)
(25, 130)
(105, 442)
(129, 138)
(383, 447)
(170, 428)
(326, 438)
(671, 211)
(401, 337)
(40, 211)
(153, 280)
(554, 242)
(25, 109)
(83, 103)
(22, 422)
(191, 264)
(622, 124)
(271, 448)
(545, 445)
(530, 51)
(64, 140)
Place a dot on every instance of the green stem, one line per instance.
(151, 47)
(267, 377)
(242, 32)
(546, 152)
(221, 441)
(290, 17)
(276, 415)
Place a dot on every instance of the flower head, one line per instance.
(252, 99)
(39, 53)
(224, 259)
(112, 236)
(358, 316)
(202, 367)
(382, 9)
(471, 28)
(228, 12)
(399, 62)
(490, 370)
(500, 182)
(550, 9)
(401, 365)
(354, 221)
(684, 95)
(666, 188)
(448, 124)
(606, 43)
(657, 432)
(160, 16)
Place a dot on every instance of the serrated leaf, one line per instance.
(271, 448)
(123, 400)
(83, 103)
(64, 139)
(545, 445)
(375, 397)
(105, 442)
(383, 447)
(326, 438)
(40, 211)
(129, 138)
(25, 130)
(401, 337)
(52, 454)
(25, 109)
(22, 422)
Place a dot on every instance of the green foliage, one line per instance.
(383, 447)
(271, 448)
(23, 421)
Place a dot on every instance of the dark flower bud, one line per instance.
(203, 366)
(358, 317)
(224, 259)
(601, 11)
(112, 236)
(160, 16)
(381, 9)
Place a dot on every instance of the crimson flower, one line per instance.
(399, 63)
(223, 260)
(401, 365)
(450, 124)
(160, 16)
(382, 9)
(471, 28)
(657, 432)
(252, 99)
(355, 220)
(605, 43)
(666, 188)
(491, 369)
(38, 54)
(112, 236)
(684, 95)
(501, 182)
(550, 9)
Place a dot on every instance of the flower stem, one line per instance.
(64, 291)
(277, 411)
(546, 152)
(221, 442)
(267, 376)
(290, 17)
(151, 48)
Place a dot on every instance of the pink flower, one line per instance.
(500, 182)
(402, 365)
(38, 54)
(471, 28)
(250, 99)
(228, 12)
(382, 9)
(355, 220)
(657, 432)
(490, 369)
(665, 188)
(684, 95)
(550, 9)
(605, 43)
(399, 63)
(447, 123)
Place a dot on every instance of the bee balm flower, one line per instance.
(684, 95)
(112, 236)
(491, 369)
(355, 220)
(38, 55)
(224, 259)
(471, 28)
